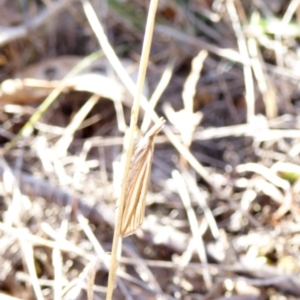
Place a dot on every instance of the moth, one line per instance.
(138, 181)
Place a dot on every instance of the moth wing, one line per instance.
(139, 212)
(136, 178)
(138, 181)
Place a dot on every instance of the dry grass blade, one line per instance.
(91, 278)
(100, 251)
(64, 142)
(142, 269)
(242, 44)
(160, 88)
(185, 197)
(9, 34)
(30, 265)
(138, 180)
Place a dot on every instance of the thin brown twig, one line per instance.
(112, 57)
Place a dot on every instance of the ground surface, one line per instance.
(222, 215)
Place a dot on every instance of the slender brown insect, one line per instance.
(138, 181)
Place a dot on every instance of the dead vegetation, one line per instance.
(222, 209)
